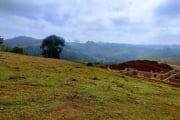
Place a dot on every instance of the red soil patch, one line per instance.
(177, 76)
(143, 65)
(175, 79)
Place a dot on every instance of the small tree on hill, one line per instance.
(52, 46)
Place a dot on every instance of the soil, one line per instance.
(175, 79)
(142, 65)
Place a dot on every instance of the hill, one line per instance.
(42, 89)
(22, 41)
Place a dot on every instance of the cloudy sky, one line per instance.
(120, 21)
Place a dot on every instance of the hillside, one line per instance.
(33, 88)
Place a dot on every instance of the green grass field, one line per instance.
(33, 88)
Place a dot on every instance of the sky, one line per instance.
(117, 21)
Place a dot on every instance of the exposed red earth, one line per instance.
(175, 79)
(148, 66)
(143, 65)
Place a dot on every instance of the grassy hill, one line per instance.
(33, 88)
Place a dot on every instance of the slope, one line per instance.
(33, 88)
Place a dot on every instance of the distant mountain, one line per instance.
(22, 41)
(100, 52)
(115, 53)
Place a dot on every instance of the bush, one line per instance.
(18, 50)
(89, 64)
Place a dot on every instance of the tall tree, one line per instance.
(52, 46)
(1, 40)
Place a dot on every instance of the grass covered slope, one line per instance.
(33, 88)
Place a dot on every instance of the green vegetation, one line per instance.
(52, 46)
(18, 50)
(6, 48)
(33, 88)
(1, 40)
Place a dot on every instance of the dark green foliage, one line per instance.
(52, 46)
(1, 43)
(18, 50)
(1, 40)
(89, 64)
(6, 48)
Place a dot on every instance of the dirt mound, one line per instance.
(143, 65)
(175, 79)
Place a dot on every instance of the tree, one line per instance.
(1, 40)
(52, 46)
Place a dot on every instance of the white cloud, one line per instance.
(128, 21)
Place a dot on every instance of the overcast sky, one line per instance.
(120, 21)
